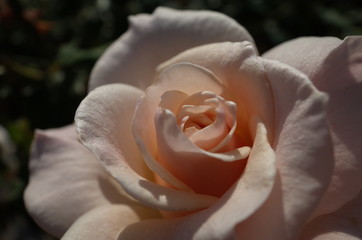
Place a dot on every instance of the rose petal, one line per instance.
(242, 74)
(305, 53)
(140, 48)
(205, 172)
(303, 149)
(103, 122)
(336, 236)
(206, 110)
(66, 181)
(185, 77)
(166, 125)
(172, 100)
(106, 115)
(341, 77)
(342, 67)
(345, 223)
(345, 118)
(336, 68)
(106, 222)
(219, 116)
(303, 152)
(329, 62)
(212, 133)
(219, 133)
(236, 205)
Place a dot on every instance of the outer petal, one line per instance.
(303, 152)
(335, 67)
(305, 53)
(346, 223)
(329, 62)
(152, 39)
(103, 122)
(66, 181)
(106, 222)
(219, 220)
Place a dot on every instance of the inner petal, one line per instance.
(198, 116)
(172, 100)
(209, 121)
(211, 135)
(203, 171)
(183, 77)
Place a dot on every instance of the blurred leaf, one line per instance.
(26, 70)
(334, 17)
(21, 133)
(11, 187)
(70, 54)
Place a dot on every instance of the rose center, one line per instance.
(207, 119)
(192, 118)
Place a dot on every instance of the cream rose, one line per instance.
(190, 134)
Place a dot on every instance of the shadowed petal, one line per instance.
(303, 152)
(335, 67)
(345, 223)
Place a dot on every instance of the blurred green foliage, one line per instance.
(48, 48)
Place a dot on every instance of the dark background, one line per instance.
(48, 47)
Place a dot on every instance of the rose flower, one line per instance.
(187, 133)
